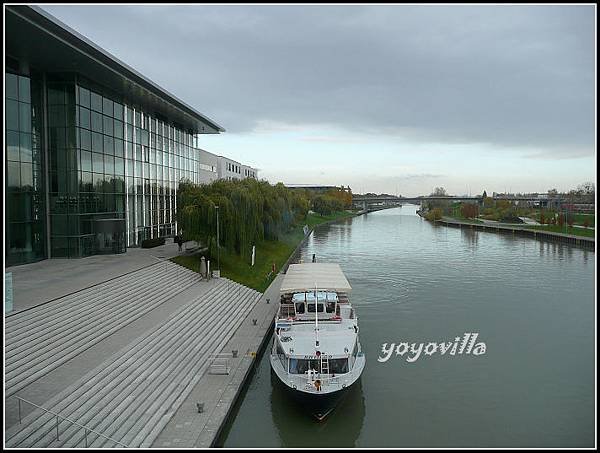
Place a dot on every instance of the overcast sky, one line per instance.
(395, 99)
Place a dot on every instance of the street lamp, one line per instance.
(218, 245)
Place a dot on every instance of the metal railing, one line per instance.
(69, 420)
(219, 363)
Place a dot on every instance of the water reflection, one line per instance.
(297, 428)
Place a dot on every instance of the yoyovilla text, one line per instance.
(466, 345)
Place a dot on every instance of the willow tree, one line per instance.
(249, 211)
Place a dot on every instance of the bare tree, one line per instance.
(439, 192)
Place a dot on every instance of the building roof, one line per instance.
(325, 276)
(35, 36)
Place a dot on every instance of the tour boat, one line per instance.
(316, 352)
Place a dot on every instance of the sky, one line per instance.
(384, 98)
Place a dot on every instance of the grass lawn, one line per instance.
(569, 230)
(578, 219)
(240, 270)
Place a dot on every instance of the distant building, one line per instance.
(230, 169)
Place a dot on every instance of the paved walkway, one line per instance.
(189, 429)
(45, 280)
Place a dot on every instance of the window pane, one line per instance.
(118, 111)
(119, 148)
(96, 102)
(97, 142)
(109, 147)
(119, 166)
(24, 89)
(86, 139)
(26, 175)
(86, 181)
(26, 149)
(107, 107)
(108, 125)
(86, 161)
(12, 115)
(11, 85)
(97, 163)
(96, 122)
(12, 143)
(118, 129)
(13, 170)
(84, 117)
(109, 164)
(84, 97)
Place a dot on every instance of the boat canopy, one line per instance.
(305, 276)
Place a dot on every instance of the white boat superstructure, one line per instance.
(316, 351)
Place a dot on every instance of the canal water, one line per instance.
(532, 304)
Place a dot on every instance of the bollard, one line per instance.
(86, 443)
(200, 407)
(19, 411)
(57, 428)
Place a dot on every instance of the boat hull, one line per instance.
(318, 405)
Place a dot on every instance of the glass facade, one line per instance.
(112, 169)
(25, 239)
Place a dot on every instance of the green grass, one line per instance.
(316, 219)
(557, 229)
(578, 219)
(240, 270)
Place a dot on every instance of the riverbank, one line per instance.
(536, 232)
(268, 253)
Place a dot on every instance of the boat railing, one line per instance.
(286, 311)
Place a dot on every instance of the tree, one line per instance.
(249, 211)
(469, 210)
(439, 192)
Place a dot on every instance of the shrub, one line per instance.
(434, 214)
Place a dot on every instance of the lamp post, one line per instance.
(218, 245)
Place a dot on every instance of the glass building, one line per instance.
(94, 150)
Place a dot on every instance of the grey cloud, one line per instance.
(512, 76)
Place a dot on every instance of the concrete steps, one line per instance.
(131, 396)
(41, 339)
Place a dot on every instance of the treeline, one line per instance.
(333, 200)
(249, 211)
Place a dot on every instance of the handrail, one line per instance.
(69, 420)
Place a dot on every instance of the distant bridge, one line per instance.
(388, 201)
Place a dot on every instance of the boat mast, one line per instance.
(316, 317)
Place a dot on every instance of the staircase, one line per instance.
(41, 339)
(130, 397)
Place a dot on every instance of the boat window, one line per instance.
(330, 307)
(301, 366)
(311, 308)
(338, 366)
(299, 297)
(300, 309)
